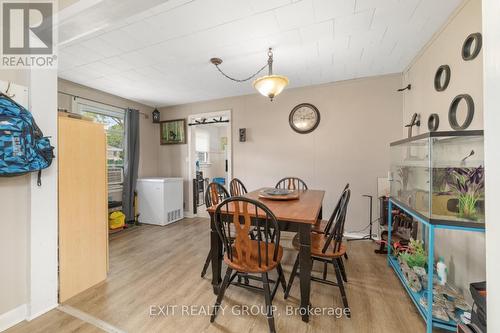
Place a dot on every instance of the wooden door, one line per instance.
(83, 209)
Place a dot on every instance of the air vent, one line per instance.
(173, 215)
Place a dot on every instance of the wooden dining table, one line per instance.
(298, 215)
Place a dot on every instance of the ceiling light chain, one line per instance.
(218, 61)
(269, 85)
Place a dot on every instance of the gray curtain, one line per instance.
(131, 161)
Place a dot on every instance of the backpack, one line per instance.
(23, 148)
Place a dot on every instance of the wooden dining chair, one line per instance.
(247, 257)
(321, 226)
(214, 195)
(291, 183)
(327, 247)
(237, 188)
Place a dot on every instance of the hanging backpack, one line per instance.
(23, 148)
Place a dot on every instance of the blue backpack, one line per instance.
(23, 148)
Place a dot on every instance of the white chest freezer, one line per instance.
(160, 200)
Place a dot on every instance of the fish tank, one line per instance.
(440, 176)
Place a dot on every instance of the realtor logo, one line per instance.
(27, 34)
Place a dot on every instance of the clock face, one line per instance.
(304, 118)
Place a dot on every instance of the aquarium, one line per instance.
(440, 176)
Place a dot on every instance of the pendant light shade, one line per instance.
(270, 85)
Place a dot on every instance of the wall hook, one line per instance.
(408, 87)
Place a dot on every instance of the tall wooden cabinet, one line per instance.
(83, 225)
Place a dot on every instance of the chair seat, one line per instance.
(252, 265)
(317, 243)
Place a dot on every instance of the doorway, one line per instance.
(210, 154)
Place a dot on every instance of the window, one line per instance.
(202, 157)
(113, 120)
(202, 146)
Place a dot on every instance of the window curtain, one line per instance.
(131, 165)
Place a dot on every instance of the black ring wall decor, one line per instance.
(433, 122)
(439, 85)
(452, 114)
(468, 51)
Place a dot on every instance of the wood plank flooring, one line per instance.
(153, 266)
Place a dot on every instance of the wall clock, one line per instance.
(304, 118)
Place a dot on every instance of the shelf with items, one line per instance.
(427, 291)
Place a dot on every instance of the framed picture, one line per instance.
(173, 132)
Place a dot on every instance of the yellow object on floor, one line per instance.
(116, 220)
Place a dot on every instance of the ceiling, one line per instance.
(157, 52)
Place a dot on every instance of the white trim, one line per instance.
(31, 316)
(13, 317)
(357, 235)
(491, 84)
(189, 215)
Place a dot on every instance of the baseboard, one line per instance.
(355, 235)
(39, 313)
(13, 317)
(188, 214)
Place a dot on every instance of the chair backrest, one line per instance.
(215, 194)
(336, 233)
(292, 183)
(237, 188)
(243, 213)
(328, 226)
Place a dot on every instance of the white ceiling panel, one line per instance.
(328, 9)
(157, 51)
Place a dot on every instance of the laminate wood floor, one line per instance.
(153, 267)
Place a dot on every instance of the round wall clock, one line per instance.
(304, 118)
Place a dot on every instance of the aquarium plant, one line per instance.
(467, 184)
(415, 256)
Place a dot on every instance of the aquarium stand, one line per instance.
(392, 261)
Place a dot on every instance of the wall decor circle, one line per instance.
(433, 122)
(452, 114)
(442, 78)
(304, 118)
(472, 46)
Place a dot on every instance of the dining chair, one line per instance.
(327, 247)
(214, 195)
(237, 188)
(291, 183)
(321, 226)
(247, 257)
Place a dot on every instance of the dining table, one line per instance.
(297, 215)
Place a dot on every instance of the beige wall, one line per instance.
(466, 76)
(358, 120)
(463, 252)
(149, 132)
(14, 208)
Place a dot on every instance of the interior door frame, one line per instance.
(191, 149)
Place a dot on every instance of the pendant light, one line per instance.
(269, 85)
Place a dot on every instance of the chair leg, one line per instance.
(342, 269)
(340, 282)
(292, 276)
(222, 290)
(281, 277)
(325, 270)
(207, 263)
(269, 305)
